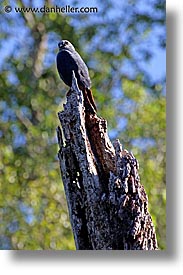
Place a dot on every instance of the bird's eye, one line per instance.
(66, 42)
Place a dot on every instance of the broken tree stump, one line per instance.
(108, 206)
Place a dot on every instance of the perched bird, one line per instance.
(69, 60)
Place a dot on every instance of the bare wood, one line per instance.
(108, 206)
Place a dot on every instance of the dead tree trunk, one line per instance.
(108, 206)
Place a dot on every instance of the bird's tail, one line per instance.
(90, 98)
(89, 102)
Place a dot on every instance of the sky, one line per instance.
(156, 67)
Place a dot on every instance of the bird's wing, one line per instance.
(83, 71)
(65, 65)
(71, 61)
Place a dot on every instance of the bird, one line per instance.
(68, 60)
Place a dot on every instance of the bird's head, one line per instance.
(65, 44)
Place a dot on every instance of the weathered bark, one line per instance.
(108, 206)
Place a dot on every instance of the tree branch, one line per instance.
(107, 204)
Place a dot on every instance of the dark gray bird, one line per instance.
(69, 60)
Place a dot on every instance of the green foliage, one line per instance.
(33, 210)
(146, 126)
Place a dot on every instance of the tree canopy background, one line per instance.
(123, 44)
